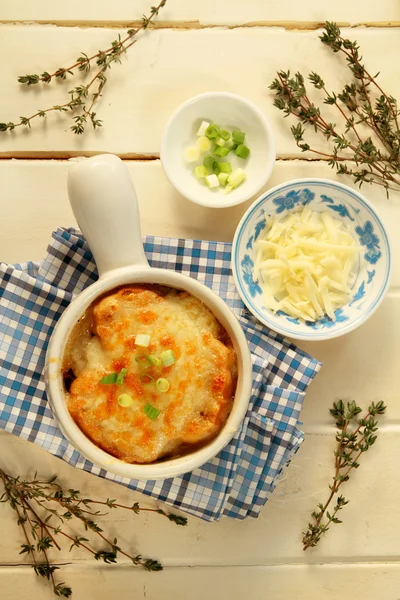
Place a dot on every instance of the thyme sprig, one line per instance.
(82, 98)
(352, 442)
(43, 508)
(369, 158)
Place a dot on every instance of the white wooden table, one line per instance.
(202, 45)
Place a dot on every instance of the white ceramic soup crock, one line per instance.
(104, 203)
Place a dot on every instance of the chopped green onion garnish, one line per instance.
(225, 167)
(223, 178)
(151, 411)
(162, 384)
(143, 360)
(213, 172)
(125, 400)
(202, 129)
(212, 132)
(212, 181)
(238, 136)
(111, 378)
(235, 179)
(167, 358)
(203, 144)
(208, 162)
(242, 151)
(121, 377)
(218, 151)
(142, 339)
(146, 379)
(155, 360)
(201, 171)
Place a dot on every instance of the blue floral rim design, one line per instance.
(367, 238)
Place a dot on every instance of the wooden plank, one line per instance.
(172, 65)
(35, 198)
(34, 195)
(370, 531)
(35, 201)
(203, 11)
(351, 366)
(369, 581)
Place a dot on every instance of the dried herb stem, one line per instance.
(351, 444)
(346, 117)
(328, 129)
(80, 101)
(372, 157)
(353, 59)
(32, 499)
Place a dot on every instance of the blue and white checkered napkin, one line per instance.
(237, 482)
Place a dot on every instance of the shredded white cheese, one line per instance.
(304, 262)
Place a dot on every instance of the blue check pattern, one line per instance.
(239, 480)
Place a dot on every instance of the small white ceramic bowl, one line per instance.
(374, 266)
(231, 112)
(104, 203)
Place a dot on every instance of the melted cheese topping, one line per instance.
(202, 379)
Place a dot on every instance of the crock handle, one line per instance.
(104, 203)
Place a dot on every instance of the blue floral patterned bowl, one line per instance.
(374, 267)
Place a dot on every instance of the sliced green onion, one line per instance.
(155, 360)
(203, 144)
(142, 339)
(223, 178)
(146, 379)
(225, 167)
(125, 400)
(111, 378)
(212, 132)
(219, 151)
(121, 376)
(235, 179)
(162, 384)
(208, 162)
(151, 411)
(214, 172)
(167, 358)
(238, 136)
(143, 360)
(201, 171)
(202, 129)
(242, 151)
(212, 181)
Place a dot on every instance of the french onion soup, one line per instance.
(149, 373)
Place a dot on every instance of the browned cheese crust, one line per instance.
(202, 379)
